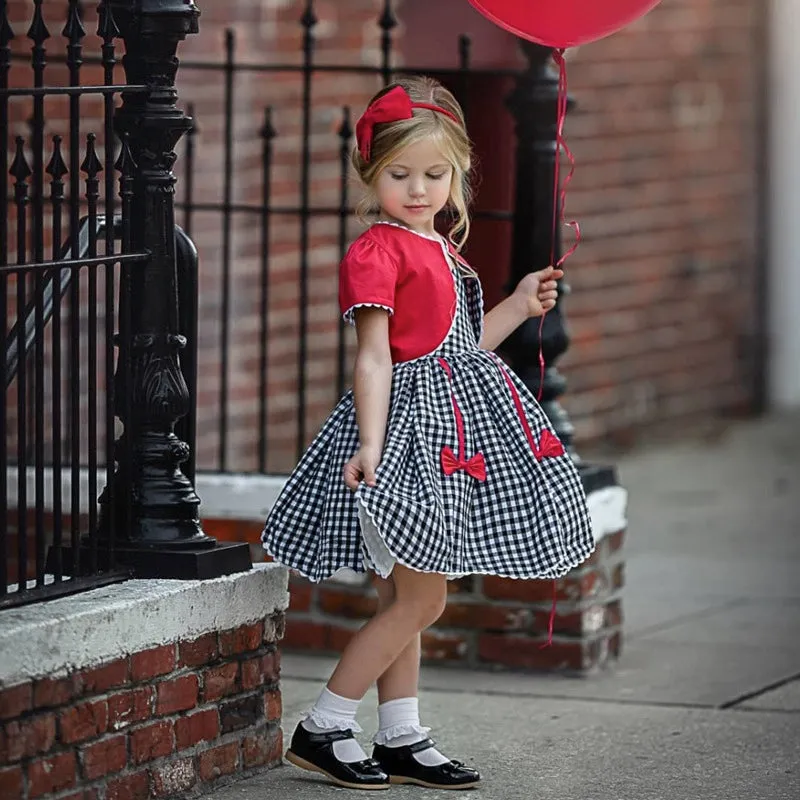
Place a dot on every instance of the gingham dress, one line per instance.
(472, 478)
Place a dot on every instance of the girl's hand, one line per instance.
(362, 466)
(539, 291)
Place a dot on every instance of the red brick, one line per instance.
(614, 614)
(239, 713)
(198, 651)
(104, 757)
(444, 647)
(263, 747)
(273, 705)
(252, 676)
(53, 692)
(218, 761)
(220, 681)
(304, 634)
(242, 639)
(101, 679)
(178, 694)
(125, 708)
(11, 783)
(152, 741)
(84, 721)
(48, 775)
(348, 604)
(485, 616)
(615, 541)
(271, 667)
(27, 738)
(131, 787)
(520, 590)
(198, 727)
(174, 778)
(527, 653)
(618, 577)
(300, 596)
(16, 700)
(579, 587)
(464, 585)
(152, 663)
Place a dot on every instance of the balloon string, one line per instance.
(559, 192)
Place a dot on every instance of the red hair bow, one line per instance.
(390, 107)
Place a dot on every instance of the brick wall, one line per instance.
(666, 137)
(488, 621)
(190, 715)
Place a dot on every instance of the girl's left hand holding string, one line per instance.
(539, 291)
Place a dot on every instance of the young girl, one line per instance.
(439, 463)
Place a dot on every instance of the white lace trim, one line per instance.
(331, 722)
(385, 736)
(434, 238)
(349, 316)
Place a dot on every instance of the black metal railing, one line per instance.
(262, 211)
(90, 310)
(60, 267)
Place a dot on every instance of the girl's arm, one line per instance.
(535, 294)
(503, 320)
(372, 377)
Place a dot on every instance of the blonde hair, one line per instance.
(391, 138)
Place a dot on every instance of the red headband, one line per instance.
(390, 107)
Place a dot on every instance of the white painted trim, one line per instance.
(784, 204)
(71, 633)
(607, 511)
(223, 496)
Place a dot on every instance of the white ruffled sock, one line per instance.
(399, 726)
(332, 712)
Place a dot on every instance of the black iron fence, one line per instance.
(65, 244)
(89, 266)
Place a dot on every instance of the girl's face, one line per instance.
(415, 186)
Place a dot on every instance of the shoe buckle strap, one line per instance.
(418, 747)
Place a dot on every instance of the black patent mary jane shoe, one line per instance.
(314, 752)
(402, 767)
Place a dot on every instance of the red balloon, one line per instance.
(563, 23)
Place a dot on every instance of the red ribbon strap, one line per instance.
(390, 107)
(475, 467)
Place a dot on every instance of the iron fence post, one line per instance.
(155, 503)
(533, 104)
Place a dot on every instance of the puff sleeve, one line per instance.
(367, 277)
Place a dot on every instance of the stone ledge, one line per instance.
(53, 638)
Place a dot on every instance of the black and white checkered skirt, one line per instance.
(472, 479)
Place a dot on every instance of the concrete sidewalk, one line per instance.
(705, 702)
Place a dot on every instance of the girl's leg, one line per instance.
(419, 599)
(398, 689)
(401, 678)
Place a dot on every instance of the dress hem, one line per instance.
(551, 574)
